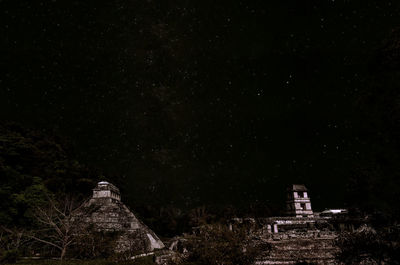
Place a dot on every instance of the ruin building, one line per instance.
(106, 191)
(105, 212)
(302, 237)
(298, 202)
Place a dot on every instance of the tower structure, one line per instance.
(298, 202)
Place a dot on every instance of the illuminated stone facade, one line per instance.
(298, 201)
(105, 212)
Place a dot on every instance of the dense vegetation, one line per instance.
(33, 166)
(380, 245)
(39, 170)
(215, 245)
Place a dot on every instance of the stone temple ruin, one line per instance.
(298, 202)
(106, 213)
(107, 191)
(301, 236)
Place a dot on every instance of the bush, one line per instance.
(370, 246)
(216, 244)
(9, 256)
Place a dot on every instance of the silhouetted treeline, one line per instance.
(34, 165)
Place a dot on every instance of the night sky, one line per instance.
(202, 102)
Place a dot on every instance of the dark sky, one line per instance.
(197, 102)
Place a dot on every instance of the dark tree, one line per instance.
(217, 245)
(369, 246)
(34, 165)
(60, 224)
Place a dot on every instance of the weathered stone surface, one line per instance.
(299, 238)
(298, 202)
(106, 212)
(291, 248)
(294, 240)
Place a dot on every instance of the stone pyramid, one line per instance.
(105, 212)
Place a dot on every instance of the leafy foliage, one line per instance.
(369, 246)
(9, 256)
(216, 245)
(32, 167)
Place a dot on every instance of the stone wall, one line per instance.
(309, 240)
(314, 247)
(111, 215)
(292, 251)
